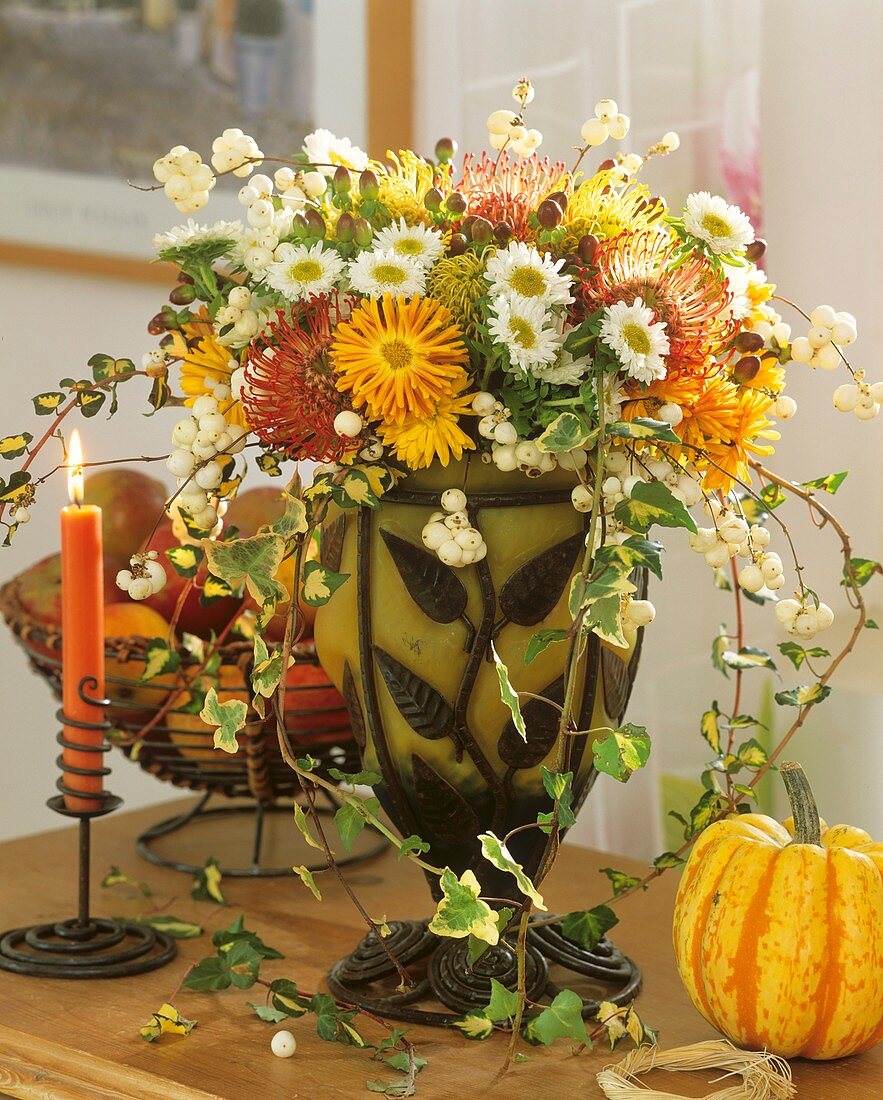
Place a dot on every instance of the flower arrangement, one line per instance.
(382, 318)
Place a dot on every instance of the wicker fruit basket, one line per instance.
(153, 726)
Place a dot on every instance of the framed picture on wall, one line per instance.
(93, 91)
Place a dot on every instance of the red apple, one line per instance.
(195, 618)
(39, 589)
(130, 502)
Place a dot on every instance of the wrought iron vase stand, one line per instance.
(84, 946)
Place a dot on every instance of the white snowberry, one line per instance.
(581, 498)
(209, 476)
(483, 403)
(348, 423)
(140, 588)
(283, 1044)
(504, 457)
(435, 535)
(450, 553)
(505, 432)
(641, 612)
(453, 500)
(180, 462)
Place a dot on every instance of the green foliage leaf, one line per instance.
(620, 880)
(561, 1020)
(356, 779)
(270, 464)
(719, 646)
(751, 754)
(667, 860)
(567, 432)
(306, 877)
(105, 368)
(803, 696)
(772, 496)
(224, 939)
(461, 912)
(503, 1004)
(653, 503)
(748, 657)
(495, 851)
(829, 482)
(228, 718)
(622, 751)
(303, 825)
(635, 553)
(244, 963)
(643, 428)
(587, 927)
(186, 560)
(320, 583)
(207, 883)
(116, 877)
(90, 401)
(559, 787)
(209, 976)
(14, 446)
(350, 818)
(797, 654)
(863, 569)
(413, 843)
(540, 641)
(285, 998)
(508, 694)
(160, 658)
(333, 1024)
(267, 1013)
(293, 520)
(704, 812)
(266, 671)
(167, 1021)
(45, 404)
(621, 1022)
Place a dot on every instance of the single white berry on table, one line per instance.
(283, 1044)
(453, 500)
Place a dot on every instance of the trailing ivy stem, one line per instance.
(803, 805)
(521, 952)
(737, 692)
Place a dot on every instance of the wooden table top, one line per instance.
(78, 1040)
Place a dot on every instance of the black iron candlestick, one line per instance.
(84, 946)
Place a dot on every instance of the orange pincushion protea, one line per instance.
(692, 300)
(509, 190)
(290, 396)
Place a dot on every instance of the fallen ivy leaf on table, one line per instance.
(167, 1021)
(116, 877)
(207, 883)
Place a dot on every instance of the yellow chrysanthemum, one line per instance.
(421, 440)
(404, 183)
(770, 377)
(458, 282)
(605, 208)
(203, 357)
(728, 459)
(398, 358)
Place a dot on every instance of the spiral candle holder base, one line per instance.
(84, 946)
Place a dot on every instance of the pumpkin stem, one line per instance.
(803, 804)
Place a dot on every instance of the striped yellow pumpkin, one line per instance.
(778, 931)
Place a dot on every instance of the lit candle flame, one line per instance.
(75, 469)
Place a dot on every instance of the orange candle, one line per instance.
(82, 631)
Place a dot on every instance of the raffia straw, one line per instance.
(764, 1076)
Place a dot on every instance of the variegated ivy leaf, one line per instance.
(173, 926)
(559, 788)
(797, 654)
(159, 393)
(16, 487)
(14, 446)
(830, 483)
(303, 825)
(643, 428)
(285, 997)
(508, 694)
(356, 779)
(653, 503)
(105, 368)
(621, 1021)
(227, 718)
(747, 657)
(116, 877)
(267, 668)
(270, 464)
(293, 520)
(622, 751)
(186, 560)
(350, 818)
(719, 648)
(540, 641)
(666, 860)
(604, 618)
(355, 490)
(320, 583)
(306, 877)
(635, 553)
(90, 401)
(803, 696)
(710, 728)
(620, 881)
(567, 432)
(207, 883)
(751, 754)
(475, 1027)
(495, 851)
(862, 569)
(167, 1021)
(214, 589)
(160, 658)
(413, 843)
(379, 478)
(461, 912)
(45, 404)
(253, 562)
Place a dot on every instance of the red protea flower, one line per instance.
(289, 393)
(504, 189)
(688, 295)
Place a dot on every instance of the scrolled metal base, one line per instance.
(441, 973)
(100, 948)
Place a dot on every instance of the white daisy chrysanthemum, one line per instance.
(384, 272)
(412, 242)
(326, 151)
(567, 371)
(299, 272)
(192, 233)
(640, 343)
(523, 326)
(723, 227)
(519, 271)
(745, 285)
